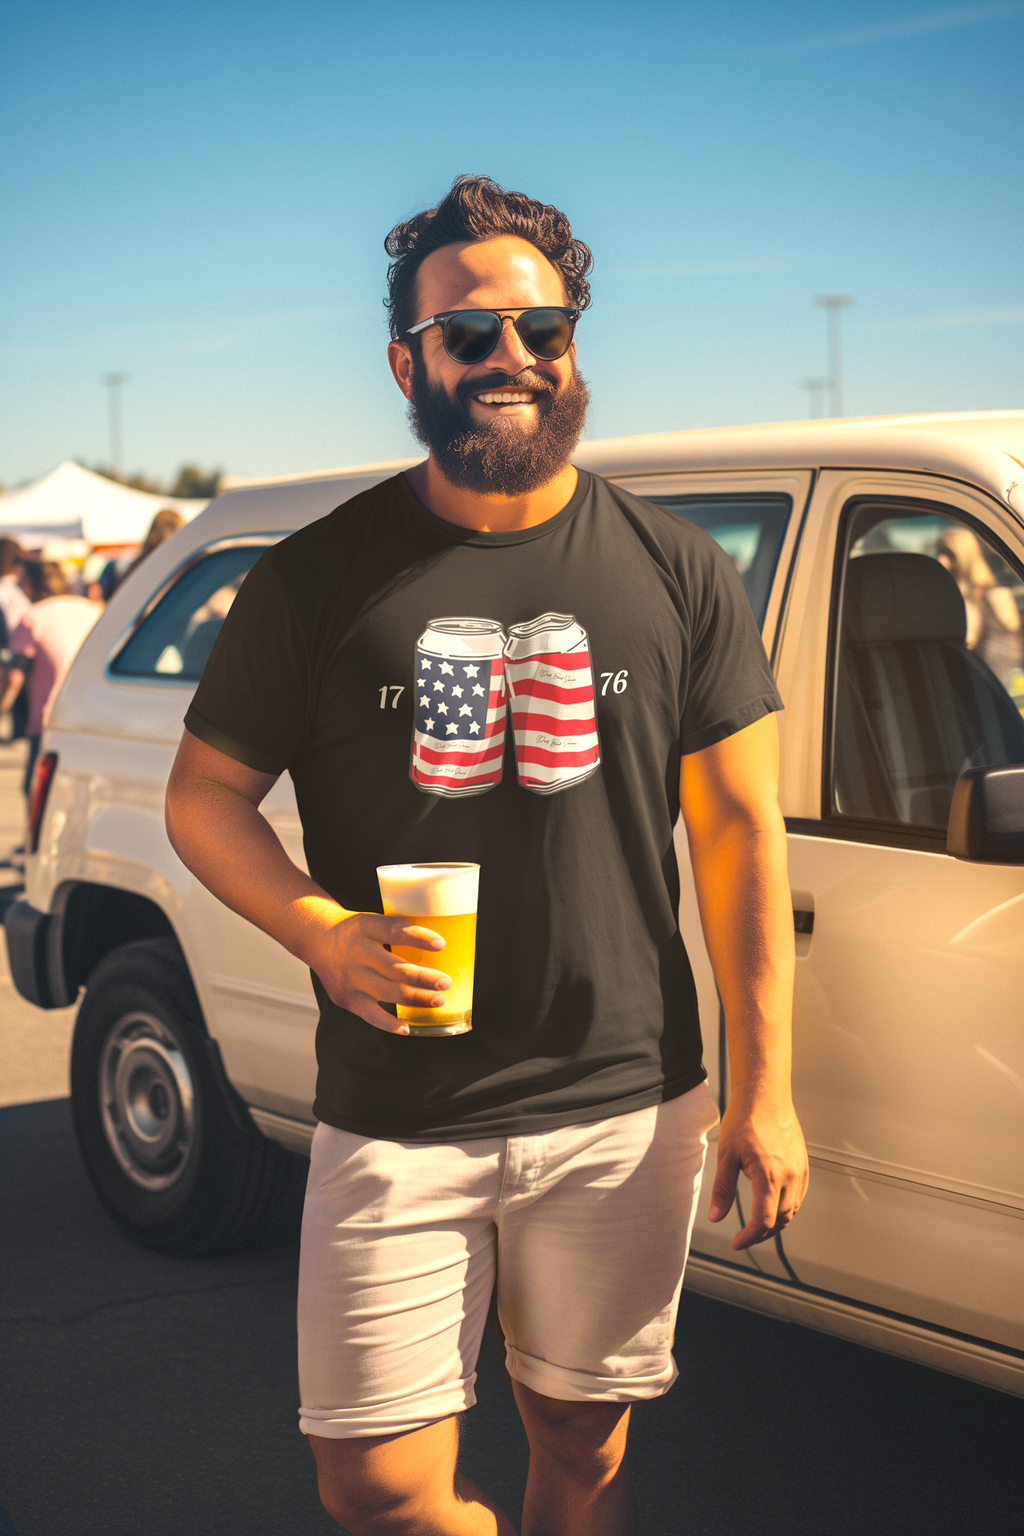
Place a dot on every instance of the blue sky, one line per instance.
(198, 194)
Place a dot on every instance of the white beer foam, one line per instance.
(430, 890)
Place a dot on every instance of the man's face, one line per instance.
(508, 425)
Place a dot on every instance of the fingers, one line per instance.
(405, 982)
(763, 1211)
(415, 937)
(425, 989)
(771, 1213)
(365, 1008)
(363, 975)
(397, 930)
(723, 1191)
(366, 966)
(762, 1138)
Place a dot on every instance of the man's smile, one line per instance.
(504, 398)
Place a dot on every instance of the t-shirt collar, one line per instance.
(459, 535)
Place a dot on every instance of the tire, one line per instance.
(168, 1144)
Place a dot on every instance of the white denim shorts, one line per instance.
(584, 1230)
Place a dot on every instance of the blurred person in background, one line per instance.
(6, 722)
(993, 618)
(165, 522)
(43, 645)
(14, 604)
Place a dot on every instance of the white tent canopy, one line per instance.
(72, 503)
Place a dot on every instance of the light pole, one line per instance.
(816, 390)
(835, 303)
(113, 381)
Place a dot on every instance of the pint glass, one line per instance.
(441, 897)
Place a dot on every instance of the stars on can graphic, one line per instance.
(551, 696)
(459, 734)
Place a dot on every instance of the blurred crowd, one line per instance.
(47, 607)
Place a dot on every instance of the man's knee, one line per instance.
(367, 1485)
(364, 1512)
(587, 1436)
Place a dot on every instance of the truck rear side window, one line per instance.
(175, 638)
(749, 529)
(929, 662)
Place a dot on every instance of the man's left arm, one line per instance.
(728, 794)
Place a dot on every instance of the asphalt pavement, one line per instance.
(150, 1394)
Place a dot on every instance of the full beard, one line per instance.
(501, 457)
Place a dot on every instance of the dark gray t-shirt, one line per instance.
(520, 700)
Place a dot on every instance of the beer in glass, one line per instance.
(441, 897)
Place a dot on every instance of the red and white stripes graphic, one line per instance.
(551, 693)
(463, 668)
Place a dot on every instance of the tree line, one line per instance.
(191, 481)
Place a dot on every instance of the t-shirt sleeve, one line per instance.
(729, 684)
(251, 703)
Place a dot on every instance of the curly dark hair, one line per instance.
(476, 208)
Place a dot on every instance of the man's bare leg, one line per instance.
(579, 1483)
(404, 1485)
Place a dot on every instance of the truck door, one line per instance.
(902, 665)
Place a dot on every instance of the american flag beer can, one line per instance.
(551, 694)
(459, 736)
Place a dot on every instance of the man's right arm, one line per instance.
(217, 830)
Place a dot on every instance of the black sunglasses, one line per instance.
(470, 335)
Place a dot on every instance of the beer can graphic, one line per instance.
(551, 694)
(459, 735)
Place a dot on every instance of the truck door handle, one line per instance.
(803, 921)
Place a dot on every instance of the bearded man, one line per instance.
(556, 1150)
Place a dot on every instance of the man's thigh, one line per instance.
(590, 1267)
(395, 1277)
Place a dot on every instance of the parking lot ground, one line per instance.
(151, 1394)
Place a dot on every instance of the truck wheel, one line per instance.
(168, 1145)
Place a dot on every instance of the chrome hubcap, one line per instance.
(146, 1101)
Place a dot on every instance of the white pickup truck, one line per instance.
(884, 559)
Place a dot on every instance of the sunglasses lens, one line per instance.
(470, 335)
(545, 332)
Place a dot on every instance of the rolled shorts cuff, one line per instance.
(570, 1386)
(390, 1418)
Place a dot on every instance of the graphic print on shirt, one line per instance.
(464, 667)
(459, 736)
(551, 695)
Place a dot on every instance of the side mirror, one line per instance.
(986, 818)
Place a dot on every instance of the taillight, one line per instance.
(37, 796)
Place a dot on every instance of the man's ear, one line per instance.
(400, 360)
